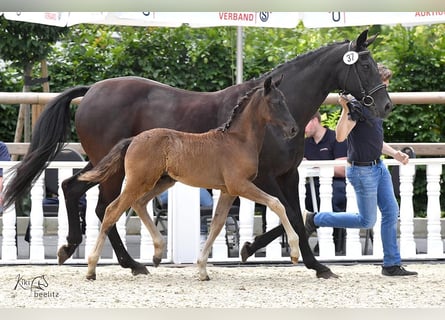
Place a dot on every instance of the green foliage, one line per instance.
(417, 58)
(25, 43)
(21, 46)
(194, 59)
(265, 48)
(9, 83)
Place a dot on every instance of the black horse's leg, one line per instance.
(73, 189)
(293, 211)
(270, 185)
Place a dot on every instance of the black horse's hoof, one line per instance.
(140, 269)
(326, 274)
(245, 252)
(65, 252)
(156, 261)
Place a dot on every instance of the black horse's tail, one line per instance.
(48, 138)
(110, 164)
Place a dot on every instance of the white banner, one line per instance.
(166, 19)
(345, 19)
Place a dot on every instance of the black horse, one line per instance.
(119, 108)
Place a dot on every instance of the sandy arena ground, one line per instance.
(251, 286)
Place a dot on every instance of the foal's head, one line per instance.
(276, 111)
(269, 104)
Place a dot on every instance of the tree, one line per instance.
(25, 44)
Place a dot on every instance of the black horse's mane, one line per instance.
(302, 56)
(242, 102)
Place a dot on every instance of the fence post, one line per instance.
(186, 222)
(377, 245)
(407, 243)
(325, 239)
(434, 242)
(9, 245)
(92, 222)
(246, 221)
(273, 249)
(37, 249)
(353, 244)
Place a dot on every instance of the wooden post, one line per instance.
(23, 112)
(37, 109)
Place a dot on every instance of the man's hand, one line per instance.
(401, 157)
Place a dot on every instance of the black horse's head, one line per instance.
(361, 78)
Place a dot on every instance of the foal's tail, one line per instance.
(48, 138)
(109, 165)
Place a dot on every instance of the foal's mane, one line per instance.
(242, 103)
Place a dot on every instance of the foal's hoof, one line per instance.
(326, 274)
(140, 269)
(206, 278)
(294, 260)
(245, 252)
(91, 276)
(65, 252)
(156, 261)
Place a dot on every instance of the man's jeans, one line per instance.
(373, 186)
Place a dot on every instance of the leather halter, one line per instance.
(366, 98)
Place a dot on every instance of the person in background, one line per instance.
(370, 178)
(4, 156)
(320, 144)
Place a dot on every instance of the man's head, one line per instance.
(314, 125)
(385, 73)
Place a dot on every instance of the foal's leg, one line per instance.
(252, 192)
(112, 214)
(219, 219)
(140, 206)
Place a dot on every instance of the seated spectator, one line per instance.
(4, 156)
(320, 144)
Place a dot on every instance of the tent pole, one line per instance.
(239, 55)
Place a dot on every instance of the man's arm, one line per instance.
(396, 154)
(344, 124)
(339, 171)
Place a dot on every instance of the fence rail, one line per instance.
(396, 97)
(420, 148)
(183, 243)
